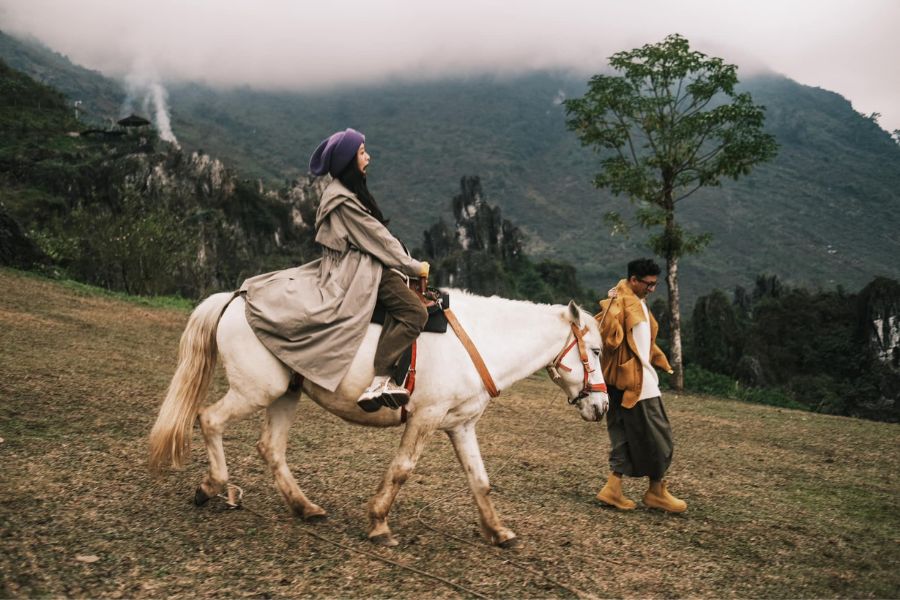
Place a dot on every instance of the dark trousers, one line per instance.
(640, 437)
(405, 319)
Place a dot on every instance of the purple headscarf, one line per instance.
(335, 152)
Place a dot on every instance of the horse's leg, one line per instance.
(272, 447)
(411, 445)
(212, 423)
(469, 454)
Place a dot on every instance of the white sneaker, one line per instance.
(383, 392)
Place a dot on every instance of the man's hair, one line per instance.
(642, 267)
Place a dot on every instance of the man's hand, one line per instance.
(425, 269)
(612, 293)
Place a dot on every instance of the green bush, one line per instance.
(699, 380)
(137, 249)
(827, 351)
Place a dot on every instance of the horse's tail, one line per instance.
(170, 438)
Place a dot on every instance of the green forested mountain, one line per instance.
(760, 346)
(100, 97)
(117, 207)
(823, 213)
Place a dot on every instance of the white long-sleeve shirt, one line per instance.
(641, 333)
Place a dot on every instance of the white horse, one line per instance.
(515, 339)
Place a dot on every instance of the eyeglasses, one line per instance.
(651, 285)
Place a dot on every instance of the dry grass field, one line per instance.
(782, 504)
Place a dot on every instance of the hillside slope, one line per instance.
(782, 504)
(824, 213)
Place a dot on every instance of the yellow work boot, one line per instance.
(658, 496)
(612, 494)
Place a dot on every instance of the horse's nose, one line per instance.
(602, 407)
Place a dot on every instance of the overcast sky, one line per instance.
(849, 46)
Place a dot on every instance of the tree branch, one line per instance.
(680, 198)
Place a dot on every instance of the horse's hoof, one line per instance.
(385, 539)
(511, 543)
(200, 497)
(314, 515)
(317, 517)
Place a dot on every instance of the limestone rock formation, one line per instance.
(478, 251)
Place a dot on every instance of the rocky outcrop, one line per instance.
(878, 328)
(484, 253)
(303, 198)
(161, 221)
(879, 320)
(478, 251)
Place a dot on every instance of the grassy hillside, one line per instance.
(824, 213)
(782, 504)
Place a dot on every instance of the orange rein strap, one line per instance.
(473, 353)
(576, 339)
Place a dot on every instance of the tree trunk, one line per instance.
(673, 249)
(675, 323)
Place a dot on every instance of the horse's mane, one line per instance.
(499, 305)
(506, 317)
(466, 295)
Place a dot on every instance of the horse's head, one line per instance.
(576, 368)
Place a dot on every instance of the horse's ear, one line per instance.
(574, 313)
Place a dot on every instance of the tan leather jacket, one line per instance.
(619, 361)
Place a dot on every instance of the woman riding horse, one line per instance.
(314, 320)
(314, 317)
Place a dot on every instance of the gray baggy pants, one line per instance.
(640, 437)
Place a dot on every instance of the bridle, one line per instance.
(553, 368)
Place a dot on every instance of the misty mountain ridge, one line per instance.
(823, 213)
(121, 208)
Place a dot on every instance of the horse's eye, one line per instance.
(596, 351)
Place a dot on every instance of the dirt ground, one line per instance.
(782, 504)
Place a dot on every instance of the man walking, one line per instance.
(639, 431)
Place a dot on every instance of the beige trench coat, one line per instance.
(314, 317)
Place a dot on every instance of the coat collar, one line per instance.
(631, 304)
(335, 194)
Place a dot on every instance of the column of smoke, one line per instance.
(151, 95)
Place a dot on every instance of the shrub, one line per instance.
(699, 380)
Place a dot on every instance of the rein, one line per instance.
(553, 368)
(473, 353)
(464, 338)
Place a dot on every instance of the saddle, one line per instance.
(435, 302)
